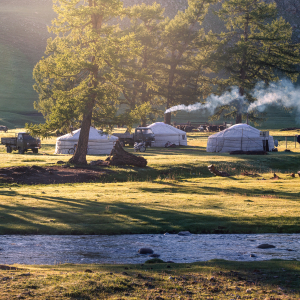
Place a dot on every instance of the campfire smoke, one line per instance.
(282, 93)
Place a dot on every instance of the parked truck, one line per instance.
(141, 134)
(22, 142)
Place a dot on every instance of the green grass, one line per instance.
(174, 192)
(216, 279)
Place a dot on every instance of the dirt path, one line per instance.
(49, 175)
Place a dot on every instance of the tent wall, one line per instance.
(162, 139)
(224, 144)
(94, 148)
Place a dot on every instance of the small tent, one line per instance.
(166, 133)
(240, 137)
(99, 143)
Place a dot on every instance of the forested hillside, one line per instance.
(23, 36)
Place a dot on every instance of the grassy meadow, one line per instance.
(174, 192)
(216, 279)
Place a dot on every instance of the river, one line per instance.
(123, 249)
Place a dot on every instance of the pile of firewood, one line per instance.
(119, 157)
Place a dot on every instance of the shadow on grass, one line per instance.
(204, 190)
(64, 215)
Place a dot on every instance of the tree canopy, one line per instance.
(257, 46)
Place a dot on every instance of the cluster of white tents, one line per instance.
(100, 143)
(240, 137)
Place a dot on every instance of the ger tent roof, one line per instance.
(99, 143)
(162, 128)
(166, 133)
(238, 137)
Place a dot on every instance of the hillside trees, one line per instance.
(184, 67)
(78, 81)
(256, 47)
(139, 89)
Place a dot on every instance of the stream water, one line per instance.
(121, 249)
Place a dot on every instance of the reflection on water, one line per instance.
(119, 249)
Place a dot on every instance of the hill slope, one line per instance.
(23, 37)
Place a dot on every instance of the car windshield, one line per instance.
(27, 136)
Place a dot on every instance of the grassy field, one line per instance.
(174, 192)
(217, 279)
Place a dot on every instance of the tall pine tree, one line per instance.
(140, 86)
(256, 47)
(79, 80)
(184, 78)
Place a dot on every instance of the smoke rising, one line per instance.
(282, 93)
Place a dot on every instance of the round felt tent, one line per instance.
(240, 137)
(99, 143)
(166, 133)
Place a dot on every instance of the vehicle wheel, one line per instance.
(21, 151)
(8, 149)
(71, 151)
(35, 150)
(142, 149)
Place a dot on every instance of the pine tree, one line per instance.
(79, 80)
(256, 47)
(184, 73)
(139, 88)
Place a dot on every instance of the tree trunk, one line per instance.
(79, 156)
(238, 118)
(119, 157)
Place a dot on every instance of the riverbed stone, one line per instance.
(265, 246)
(154, 255)
(184, 233)
(145, 251)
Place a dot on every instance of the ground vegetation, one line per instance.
(174, 192)
(216, 279)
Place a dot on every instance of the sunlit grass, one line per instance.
(174, 192)
(216, 279)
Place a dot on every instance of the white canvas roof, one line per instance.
(93, 135)
(238, 137)
(162, 128)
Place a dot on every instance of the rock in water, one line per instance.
(145, 251)
(184, 233)
(265, 246)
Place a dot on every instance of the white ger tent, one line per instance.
(166, 133)
(240, 137)
(99, 143)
